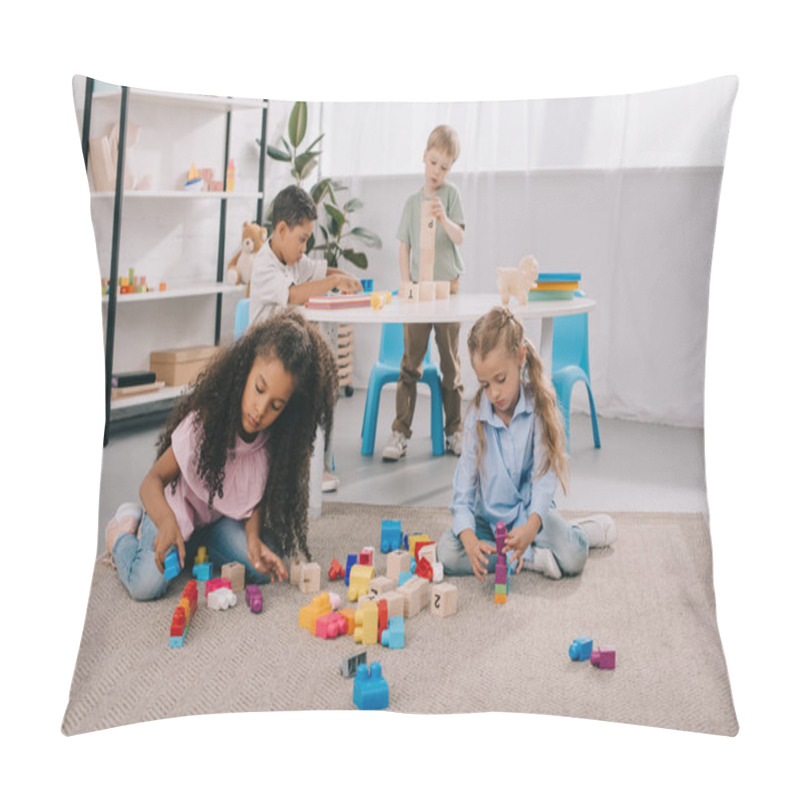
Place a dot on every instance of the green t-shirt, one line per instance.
(447, 264)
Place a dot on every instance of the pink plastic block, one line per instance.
(217, 583)
(331, 625)
(604, 657)
(366, 555)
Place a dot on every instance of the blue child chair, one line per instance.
(571, 364)
(242, 319)
(387, 369)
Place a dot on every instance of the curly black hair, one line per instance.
(216, 395)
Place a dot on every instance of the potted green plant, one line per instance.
(334, 228)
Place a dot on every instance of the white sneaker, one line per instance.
(544, 562)
(330, 483)
(452, 444)
(396, 447)
(125, 520)
(600, 530)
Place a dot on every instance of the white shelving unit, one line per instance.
(166, 112)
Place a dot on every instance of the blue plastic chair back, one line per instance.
(571, 341)
(242, 319)
(392, 346)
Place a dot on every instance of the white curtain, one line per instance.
(622, 189)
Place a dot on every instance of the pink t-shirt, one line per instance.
(242, 489)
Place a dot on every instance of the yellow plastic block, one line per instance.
(360, 576)
(321, 604)
(366, 630)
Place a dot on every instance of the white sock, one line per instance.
(600, 530)
(542, 561)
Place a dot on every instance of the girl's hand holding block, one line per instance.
(520, 538)
(477, 550)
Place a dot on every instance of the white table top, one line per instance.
(461, 307)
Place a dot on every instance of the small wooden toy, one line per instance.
(395, 603)
(581, 649)
(255, 600)
(294, 571)
(370, 689)
(604, 658)
(309, 578)
(366, 630)
(444, 600)
(349, 664)
(234, 571)
(360, 576)
(442, 289)
(394, 635)
(427, 290)
(396, 562)
(517, 282)
(382, 584)
(391, 535)
(416, 594)
(409, 291)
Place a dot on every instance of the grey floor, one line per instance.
(640, 467)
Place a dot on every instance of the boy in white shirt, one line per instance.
(283, 274)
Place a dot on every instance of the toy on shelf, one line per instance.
(336, 571)
(230, 176)
(234, 572)
(240, 267)
(444, 600)
(394, 635)
(517, 282)
(391, 535)
(581, 649)
(221, 599)
(254, 598)
(604, 658)
(349, 664)
(183, 615)
(370, 689)
(502, 574)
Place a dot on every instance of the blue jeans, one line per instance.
(134, 556)
(566, 541)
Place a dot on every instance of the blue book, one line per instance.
(556, 277)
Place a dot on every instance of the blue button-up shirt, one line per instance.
(505, 487)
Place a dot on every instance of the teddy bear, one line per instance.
(240, 268)
(517, 282)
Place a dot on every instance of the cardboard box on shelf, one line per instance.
(182, 365)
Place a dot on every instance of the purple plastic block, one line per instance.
(254, 598)
(604, 657)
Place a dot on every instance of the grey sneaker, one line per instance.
(600, 530)
(396, 447)
(452, 444)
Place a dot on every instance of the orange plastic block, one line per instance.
(349, 615)
(321, 604)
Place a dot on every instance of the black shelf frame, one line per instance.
(111, 318)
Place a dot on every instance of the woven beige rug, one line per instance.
(651, 596)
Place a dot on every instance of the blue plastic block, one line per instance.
(177, 641)
(394, 635)
(391, 535)
(580, 649)
(403, 577)
(351, 561)
(172, 564)
(370, 690)
(204, 571)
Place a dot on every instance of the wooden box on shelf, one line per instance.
(182, 365)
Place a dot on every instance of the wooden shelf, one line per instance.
(135, 404)
(184, 290)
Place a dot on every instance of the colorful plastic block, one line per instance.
(366, 556)
(604, 658)
(255, 600)
(412, 542)
(172, 564)
(336, 571)
(394, 635)
(444, 599)
(201, 556)
(383, 617)
(391, 535)
(349, 664)
(426, 550)
(187, 605)
(308, 616)
(331, 625)
(221, 599)
(234, 572)
(360, 576)
(394, 602)
(581, 649)
(217, 583)
(352, 560)
(204, 571)
(366, 631)
(350, 616)
(424, 569)
(370, 689)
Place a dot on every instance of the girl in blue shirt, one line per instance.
(512, 460)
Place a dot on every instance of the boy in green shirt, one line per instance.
(445, 206)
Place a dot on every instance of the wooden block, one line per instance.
(396, 562)
(395, 602)
(442, 290)
(309, 578)
(234, 571)
(444, 599)
(382, 584)
(294, 572)
(416, 593)
(427, 290)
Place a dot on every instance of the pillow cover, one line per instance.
(620, 190)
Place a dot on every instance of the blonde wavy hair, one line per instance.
(500, 328)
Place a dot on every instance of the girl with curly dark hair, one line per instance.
(232, 463)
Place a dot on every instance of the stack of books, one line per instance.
(360, 300)
(555, 286)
